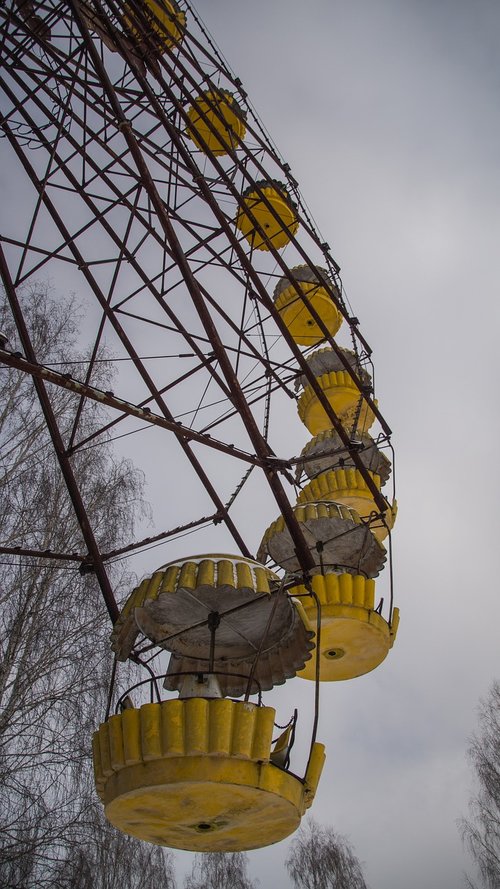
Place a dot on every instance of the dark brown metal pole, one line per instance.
(64, 463)
(39, 371)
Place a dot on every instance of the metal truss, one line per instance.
(124, 208)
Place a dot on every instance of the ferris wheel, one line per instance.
(149, 185)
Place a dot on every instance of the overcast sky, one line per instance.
(388, 114)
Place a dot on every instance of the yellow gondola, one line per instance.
(294, 311)
(166, 19)
(268, 226)
(345, 399)
(339, 388)
(327, 360)
(197, 775)
(171, 608)
(349, 487)
(216, 122)
(337, 537)
(327, 451)
(355, 638)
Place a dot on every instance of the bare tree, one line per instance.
(481, 831)
(219, 870)
(54, 647)
(321, 859)
(114, 861)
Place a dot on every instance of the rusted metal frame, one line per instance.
(255, 352)
(379, 499)
(228, 320)
(119, 157)
(97, 340)
(64, 381)
(261, 447)
(26, 36)
(7, 17)
(85, 141)
(303, 297)
(41, 554)
(201, 263)
(151, 147)
(189, 37)
(253, 392)
(125, 56)
(209, 124)
(58, 444)
(39, 79)
(267, 403)
(201, 405)
(100, 214)
(240, 202)
(44, 180)
(203, 243)
(216, 306)
(164, 535)
(251, 401)
(272, 364)
(130, 257)
(140, 367)
(153, 322)
(19, 23)
(280, 384)
(312, 234)
(192, 192)
(264, 145)
(81, 401)
(143, 404)
(56, 253)
(263, 139)
(48, 255)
